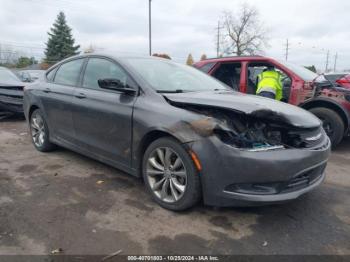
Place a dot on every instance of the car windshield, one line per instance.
(304, 73)
(334, 77)
(167, 76)
(8, 76)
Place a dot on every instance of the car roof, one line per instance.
(233, 59)
(116, 56)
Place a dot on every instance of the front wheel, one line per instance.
(170, 175)
(332, 123)
(40, 132)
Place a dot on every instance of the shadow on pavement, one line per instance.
(11, 117)
(344, 146)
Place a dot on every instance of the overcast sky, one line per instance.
(181, 27)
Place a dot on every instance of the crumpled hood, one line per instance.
(248, 104)
(11, 83)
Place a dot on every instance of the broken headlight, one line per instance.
(305, 138)
(256, 136)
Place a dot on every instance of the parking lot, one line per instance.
(67, 201)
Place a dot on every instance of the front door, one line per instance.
(254, 68)
(103, 118)
(57, 99)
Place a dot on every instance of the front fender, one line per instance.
(30, 101)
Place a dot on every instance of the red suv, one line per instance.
(301, 87)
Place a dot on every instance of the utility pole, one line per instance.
(150, 27)
(287, 49)
(335, 61)
(218, 41)
(327, 61)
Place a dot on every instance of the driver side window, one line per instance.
(99, 68)
(254, 69)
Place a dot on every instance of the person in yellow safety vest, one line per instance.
(270, 84)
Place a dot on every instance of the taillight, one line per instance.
(343, 81)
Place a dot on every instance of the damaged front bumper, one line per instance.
(237, 177)
(11, 101)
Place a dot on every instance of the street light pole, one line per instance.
(335, 62)
(150, 27)
(287, 49)
(327, 61)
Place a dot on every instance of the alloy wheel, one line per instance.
(38, 130)
(166, 174)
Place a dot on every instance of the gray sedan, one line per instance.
(187, 135)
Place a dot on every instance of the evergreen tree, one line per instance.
(203, 57)
(61, 42)
(189, 60)
(311, 68)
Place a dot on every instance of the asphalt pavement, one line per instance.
(67, 202)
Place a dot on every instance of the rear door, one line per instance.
(103, 118)
(229, 73)
(57, 98)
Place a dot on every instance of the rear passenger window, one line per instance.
(68, 73)
(230, 74)
(98, 68)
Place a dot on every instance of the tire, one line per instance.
(39, 132)
(172, 198)
(332, 123)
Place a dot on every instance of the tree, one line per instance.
(203, 57)
(25, 61)
(61, 42)
(243, 32)
(166, 56)
(189, 60)
(311, 68)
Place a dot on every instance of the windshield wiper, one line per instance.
(222, 89)
(171, 91)
(186, 91)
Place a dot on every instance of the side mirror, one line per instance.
(115, 84)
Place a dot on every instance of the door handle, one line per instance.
(47, 90)
(80, 95)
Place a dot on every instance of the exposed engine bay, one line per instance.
(257, 133)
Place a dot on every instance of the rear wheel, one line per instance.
(40, 132)
(332, 123)
(170, 175)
